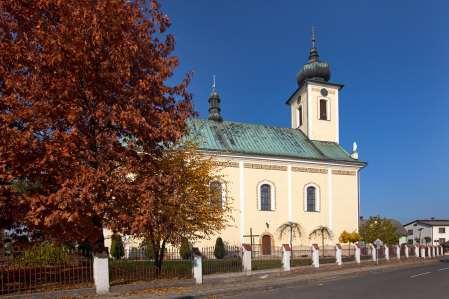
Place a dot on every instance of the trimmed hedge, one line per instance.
(327, 260)
(266, 264)
(300, 262)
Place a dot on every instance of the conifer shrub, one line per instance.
(220, 250)
(117, 247)
(185, 251)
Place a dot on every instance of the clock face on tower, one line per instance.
(323, 92)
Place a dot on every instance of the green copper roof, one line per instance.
(244, 138)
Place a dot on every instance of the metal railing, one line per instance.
(139, 265)
(21, 275)
(214, 261)
(266, 257)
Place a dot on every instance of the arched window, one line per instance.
(217, 193)
(300, 116)
(323, 109)
(265, 197)
(311, 198)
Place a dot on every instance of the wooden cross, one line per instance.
(251, 238)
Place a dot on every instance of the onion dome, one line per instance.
(314, 69)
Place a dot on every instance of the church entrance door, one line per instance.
(266, 245)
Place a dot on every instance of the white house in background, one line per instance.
(433, 231)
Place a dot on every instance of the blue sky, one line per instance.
(392, 56)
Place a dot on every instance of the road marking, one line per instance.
(420, 274)
(442, 269)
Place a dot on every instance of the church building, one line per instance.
(273, 175)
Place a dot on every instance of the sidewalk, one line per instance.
(235, 283)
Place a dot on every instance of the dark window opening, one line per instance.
(323, 109)
(265, 197)
(311, 199)
(300, 116)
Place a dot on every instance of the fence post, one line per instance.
(286, 257)
(373, 252)
(197, 266)
(387, 253)
(246, 258)
(398, 251)
(416, 251)
(434, 251)
(423, 251)
(338, 257)
(357, 253)
(441, 250)
(406, 251)
(101, 272)
(315, 256)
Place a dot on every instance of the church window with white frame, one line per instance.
(324, 109)
(300, 120)
(266, 194)
(311, 198)
(217, 193)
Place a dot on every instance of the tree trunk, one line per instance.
(322, 243)
(98, 247)
(158, 252)
(291, 245)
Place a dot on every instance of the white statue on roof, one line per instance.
(355, 153)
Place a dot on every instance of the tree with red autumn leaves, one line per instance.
(83, 93)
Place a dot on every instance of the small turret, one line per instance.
(214, 104)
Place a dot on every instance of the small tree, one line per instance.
(219, 250)
(117, 247)
(185, 251)
(346, 237)
(174, 199)
(379, 228)
(427, 240)
(294, 230)
(322, 232)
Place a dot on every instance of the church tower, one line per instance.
(315, 104)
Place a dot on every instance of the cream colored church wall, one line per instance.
(345, 200)
(254, 217)
(294, 110)
(344, 193)
(325, 130)
(309, 220)
(231, 182)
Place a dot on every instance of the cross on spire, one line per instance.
(313, 37)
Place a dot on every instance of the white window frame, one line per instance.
(272, 197)
(317, 197)
(223, 191)
(328, 108)
(299, 115)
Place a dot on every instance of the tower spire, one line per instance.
(313, 54)
(214, 103)
(313, 37)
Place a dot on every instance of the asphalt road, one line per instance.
(431, 281)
